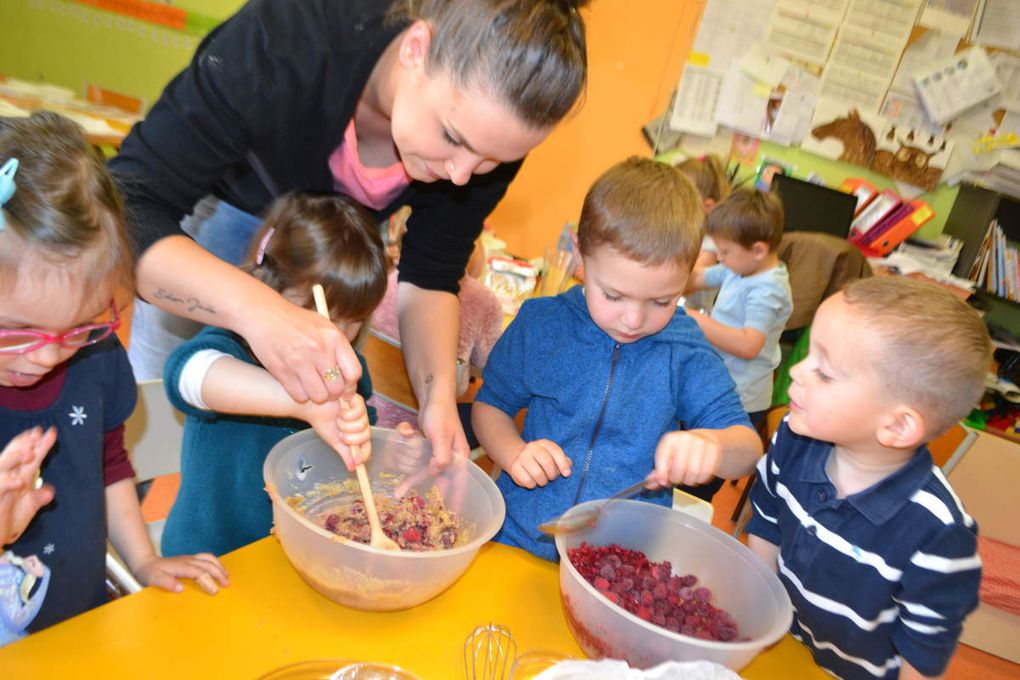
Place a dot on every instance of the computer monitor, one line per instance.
(812, 207)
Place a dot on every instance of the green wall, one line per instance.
(65, 43)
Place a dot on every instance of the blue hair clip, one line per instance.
(7, 186)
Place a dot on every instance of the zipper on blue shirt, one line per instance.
(598, 423)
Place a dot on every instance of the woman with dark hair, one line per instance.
(428, 103)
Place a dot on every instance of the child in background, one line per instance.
(708, 173)
(877, 553)
(236, 411)
(63, 255)
(637, 393)
(754, 298)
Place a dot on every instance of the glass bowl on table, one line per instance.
(535, 662)
(338, 669)
(738, 583)
(308, 483)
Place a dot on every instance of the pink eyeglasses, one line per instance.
(25, 340)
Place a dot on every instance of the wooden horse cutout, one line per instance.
(857, 137)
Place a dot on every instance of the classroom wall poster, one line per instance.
(868, 140)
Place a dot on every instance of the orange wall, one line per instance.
(635, 52)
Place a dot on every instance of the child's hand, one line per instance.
(355, 428)
(163, 572)
(340, 423)
(411, 459)
(538, 463)
(699, 317)
(687, 457)
(406, 429)
(19, 469)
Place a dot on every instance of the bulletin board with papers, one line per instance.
(922, 91)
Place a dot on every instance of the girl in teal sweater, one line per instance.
(236, 411)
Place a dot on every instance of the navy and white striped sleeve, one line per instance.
(939, 589)
(764, 502)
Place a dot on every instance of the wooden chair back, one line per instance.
(385, 362)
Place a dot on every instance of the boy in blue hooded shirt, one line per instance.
(616, 378)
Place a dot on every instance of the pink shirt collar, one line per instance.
(372, 187)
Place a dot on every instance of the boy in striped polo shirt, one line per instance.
(876, 551)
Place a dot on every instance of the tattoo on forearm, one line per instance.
(428, 379)
(191, 304)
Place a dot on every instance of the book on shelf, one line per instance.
(996, 268)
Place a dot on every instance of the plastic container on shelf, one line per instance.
(740, 582)
(304, 475)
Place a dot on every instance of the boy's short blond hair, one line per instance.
(648, 211)
(748, 216)
(934, 350)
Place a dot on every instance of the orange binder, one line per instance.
(864, 190)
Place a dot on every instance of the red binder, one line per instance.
(894, 228)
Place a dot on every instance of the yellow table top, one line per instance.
(268, 618)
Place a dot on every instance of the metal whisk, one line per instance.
(489, 653)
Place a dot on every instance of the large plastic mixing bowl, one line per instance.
(740, 582)
(304, 476)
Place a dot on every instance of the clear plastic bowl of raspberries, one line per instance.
(662, 585)
(307, 483)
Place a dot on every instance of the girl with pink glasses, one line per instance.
(64, 256)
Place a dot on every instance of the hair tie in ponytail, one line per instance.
(260, 254)
(7, 186)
